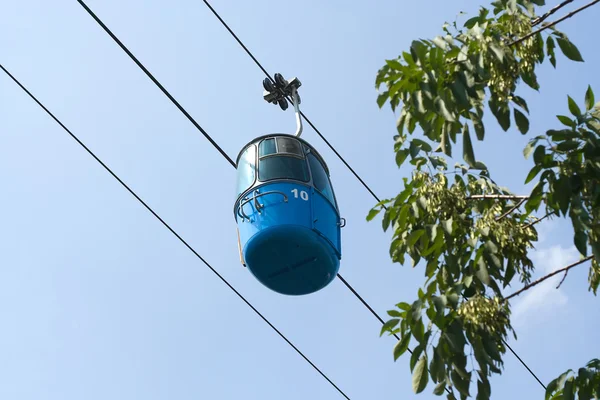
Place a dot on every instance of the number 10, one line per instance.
(303, 194)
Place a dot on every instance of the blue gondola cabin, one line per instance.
(287, 215)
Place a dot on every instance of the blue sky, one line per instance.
(99, 301)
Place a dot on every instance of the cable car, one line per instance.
(288, 222)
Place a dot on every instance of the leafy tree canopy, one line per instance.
(471, 236)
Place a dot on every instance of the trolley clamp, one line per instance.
(276, 92)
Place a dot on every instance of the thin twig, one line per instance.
(539, 220)
(511, 210)
(542, 279)
(563, 279)
(541, 18)
(497, 196)
(551, 24)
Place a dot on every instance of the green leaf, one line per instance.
(483, 390)
(460, 92)
(567, 145)
(596, 251)
(502, 114)
(389, 325)
(439, 388)
(381, 75)
(395, 314)
(445, 143)
(479, 129)
(401, 346)
(414, 236)
(539, 154)
(395, 88)
(468, 155)
(440, 42)
(566, 121)
(580, 239)
(439, 303)
(521, 103)
(422, 201)
(589, 98)
(418, 330)
(403, 306)
(422, 144)
(447, 225)
(472, 242)
(569, 49)
(414, 149)
(438, 162)
(535, 198)
(498, 52)
(385, 222)
(530, 78)
(461, 371)
(533, 173)
(560, 135)
(418, 101)
(382, 98)
(437, 368)
(402, 122)
(569, 389)
(373, 213)
(470, 23)
(442, 110)
(482, 272)
(462, 385)
(561, 191)
(420, 376)
(401, 157)
(491, 247)
(556, 384)
(452, 299)
(414, 357)
(550, 46)
(529, 148)
(467, 280)
(573, 107)
(402, 217)
(395, 64)
(522, 121)
(491, 348)
(430, 269)
(510, 272)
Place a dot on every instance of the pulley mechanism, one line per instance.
(276, 92)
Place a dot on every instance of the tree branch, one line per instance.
(511, 209)
(539, 220)
(551, 24)
(497, 196)
(542, 279)
(541, 18)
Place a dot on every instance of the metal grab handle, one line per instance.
(257, 205)
(240, 210)
(257, 195)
